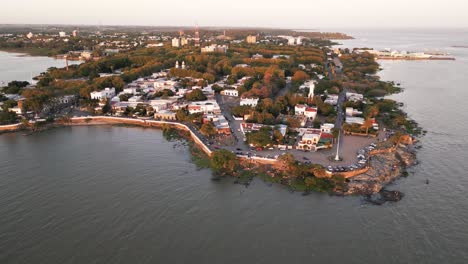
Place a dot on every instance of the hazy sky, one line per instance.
(268, 13)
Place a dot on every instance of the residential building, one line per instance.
(208, 106)
(176, 42)
(311, 113)
(215, 48)
(327, 128)
(106, 93)
(309, 139)
(130, 90)
(355, 120)
(249, 101)
(300, 109)
(230, 92)
(354, 97)
(332, 99)
(165, 115)
(352, 112)
(257, 56)
(62, 34)
(251, 39)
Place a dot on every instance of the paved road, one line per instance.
(233, 124)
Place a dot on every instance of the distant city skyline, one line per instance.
(315, 14)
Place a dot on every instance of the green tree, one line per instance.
(208, 130)
(224, 162)
(195, 95)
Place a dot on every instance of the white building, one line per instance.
(230, 92)
(215, 48)
(130, 90)
(106, 93)
(62, 34)
(355, 120)
(311, 113)
(249, 101)
(327, 128)
(30, 35)
(208, 106)
(350, 112)
(176, 42)
(300, 109)
(307, 111)
(354, 97)
(332, 99)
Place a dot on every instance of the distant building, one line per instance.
(87, 55)
(215, 48)
(183, 41)
(75, 33)
(251, 39)
(176, 42)
(257, 56)
(249, 101)
(197, 37)
(106, 93)
(130, 90)
(30, 35)
(62, 34)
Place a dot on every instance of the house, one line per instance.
(257, 56)
(230, 92)
(165, 115)
(300, 109)
(332, 99)
(327, 128)
(309, 140)
(304, 110)
(249, 127)
(249, 101)
(106, 93)
(355, 120)
(352, 112)
(208, 106)
(354, 97)
(311, 113)
(130, 90)
(16, 110)
(65, 100)
(222, 125)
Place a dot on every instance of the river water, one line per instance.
(127, 195)
(21, 67)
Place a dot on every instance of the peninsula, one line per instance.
(281, 105)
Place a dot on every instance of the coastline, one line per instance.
(386, 164)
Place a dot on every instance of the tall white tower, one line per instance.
(177, 65)
(183, 65)
(311, 89)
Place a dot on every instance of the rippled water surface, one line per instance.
(126, 195)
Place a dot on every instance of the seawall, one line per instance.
(107, 120)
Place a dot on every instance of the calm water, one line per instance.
(15, 66)
(126, 195)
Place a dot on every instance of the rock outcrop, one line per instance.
(384, 168)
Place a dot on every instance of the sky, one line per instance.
(296, 14)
